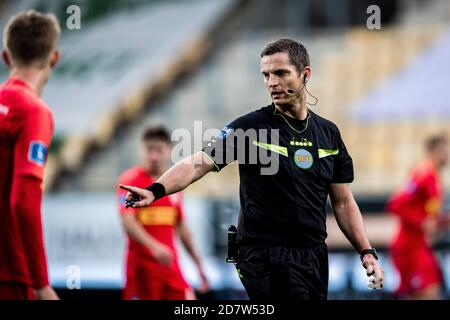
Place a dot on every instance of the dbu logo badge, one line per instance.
(37, 153)
(303, 159)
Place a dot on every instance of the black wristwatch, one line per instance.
(371, 251)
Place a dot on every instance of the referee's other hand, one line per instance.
(137, 197)
(374, 271)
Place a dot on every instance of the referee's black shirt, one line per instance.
(287, 206)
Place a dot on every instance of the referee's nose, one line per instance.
(273, 81)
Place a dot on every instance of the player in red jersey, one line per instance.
(152, 269)
(26, 126)
(418, 206)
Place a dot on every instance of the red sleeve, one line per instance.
(32, 143)
(433, 195)
(26, 204)
(400, 204)
(430, 185)
(30, 153)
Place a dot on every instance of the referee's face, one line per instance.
(279, 77)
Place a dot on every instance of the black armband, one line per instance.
(157, 189)
(371, 251)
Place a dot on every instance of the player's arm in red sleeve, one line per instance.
(26, 200)
(433, 205)
(30, 151)
(186, 239)
(435, 220)
(399, 205)
(136, 231)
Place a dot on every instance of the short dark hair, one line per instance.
(30, 37)
(434, 141)
(297, 52)
(156, 133)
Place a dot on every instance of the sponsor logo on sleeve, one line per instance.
(225, 133)
(4, 110)
(410, 187)
(37, 153)
(122, 199)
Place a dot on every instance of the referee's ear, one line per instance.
(306, 74)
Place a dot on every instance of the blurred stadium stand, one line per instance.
(113, 65)
(176, 62)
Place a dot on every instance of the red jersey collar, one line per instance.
(16, 81)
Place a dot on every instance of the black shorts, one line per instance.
(282, 273)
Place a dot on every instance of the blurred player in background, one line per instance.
(152, 269)
(30, 42)
(418, 205)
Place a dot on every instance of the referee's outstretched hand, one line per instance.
(137, 197)
(374, 271)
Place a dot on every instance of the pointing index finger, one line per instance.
(125, 187)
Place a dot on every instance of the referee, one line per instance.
(290, 160)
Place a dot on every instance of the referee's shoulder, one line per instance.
(251, 118)
(324, 123)
(257, 113)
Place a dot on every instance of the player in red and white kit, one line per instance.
(26, 128)
(418, 206)
(152, 269)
